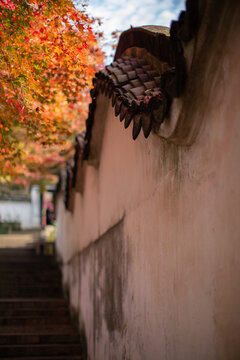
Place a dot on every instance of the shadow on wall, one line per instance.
(103, 266)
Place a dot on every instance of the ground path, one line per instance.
(34, 316)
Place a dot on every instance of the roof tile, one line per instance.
(137, 124)
(150, 85)
(122, 78)
(135, 90)
(128, 118)
(136, 82)
(143, 77)
(132, 74)
(139, 70)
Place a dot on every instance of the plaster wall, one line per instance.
(151, 251)
(16, 211)
(25, 212)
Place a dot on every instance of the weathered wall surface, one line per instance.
(151, 252)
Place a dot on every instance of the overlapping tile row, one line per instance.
(134, 87)
(34, 316)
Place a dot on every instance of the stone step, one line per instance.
(34, 303)
(64, 357)
(32, 293)
(34, 321)
(21, 281)
(32, 290)
(34, 312)
(31, 280)
(27, 259)
(29, 287)
(4, 259)
(26, 254)
(34, 265)
(29, 276)
(18, 251)
(37, 329)
(40, 350)
(49, 267)
(21, 339)
(28, 272)
(25, 269)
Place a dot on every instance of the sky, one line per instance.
(121, 14)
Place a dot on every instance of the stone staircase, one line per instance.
(34, 317)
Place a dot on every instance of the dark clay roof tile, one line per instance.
(146, 67)
(137, 124)
(132, 75)
(134, 64)
(123, 111)
(109, 68)
(127, 87)
(139, 70)
(152, 73)
(118, 105)
(156, 91)
(157, 79)
(105, 72)
(146, 125)
(114, 97)
(122, 78)
(128, 118)
(141, 62)
(134, 87)
(130, 97)
(135, 83)
(137, 91)
(143, 77)
(125, 68)
(150, 85)
(117, 71)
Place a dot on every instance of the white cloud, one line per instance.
(120, 15)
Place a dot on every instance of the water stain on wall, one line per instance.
(108, 259)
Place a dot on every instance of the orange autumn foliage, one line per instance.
(48, 56)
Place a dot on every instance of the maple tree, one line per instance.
(48, 56)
